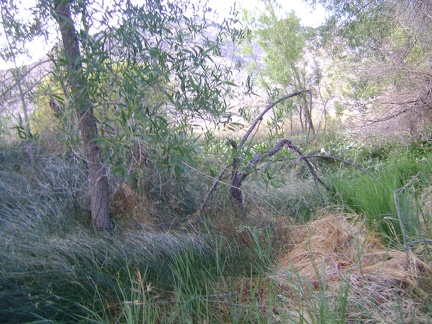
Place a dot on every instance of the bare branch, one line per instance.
(327, 157)
(309, 165)
(22, 77)
(238, 177)
(212, 189)
(266, 109)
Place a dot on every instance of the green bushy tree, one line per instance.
(285, 68)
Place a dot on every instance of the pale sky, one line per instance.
(309, 17)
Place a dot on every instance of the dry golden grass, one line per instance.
(131, 209)
(334, 251)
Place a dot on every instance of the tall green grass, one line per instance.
(54, 267)
(372, 194)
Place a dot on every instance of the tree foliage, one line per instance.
(137, 77)
(285, 67)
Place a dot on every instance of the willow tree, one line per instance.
(151, 66)
(80, 99)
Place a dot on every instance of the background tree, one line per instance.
(286, 66)
(16, 91)
(384, 49)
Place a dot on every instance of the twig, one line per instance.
(396, 193)
(420, 241)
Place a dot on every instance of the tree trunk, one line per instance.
(308, 116)
(99, 190)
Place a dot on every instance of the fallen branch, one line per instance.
(309, 165)
(195, 217)
(238, 177)
(329, 157)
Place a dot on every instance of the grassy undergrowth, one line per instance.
(372, 193)
(55, 268)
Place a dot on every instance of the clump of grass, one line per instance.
(340, 272)
(298, 199)
(53, 267)
(82, 274)
(372, 195)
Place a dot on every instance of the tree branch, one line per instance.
(21, 78)
(238, 177)
(266, 109)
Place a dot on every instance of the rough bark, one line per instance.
(235, 191)
(98, 173)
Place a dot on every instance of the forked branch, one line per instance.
(238, 177)
(266, 109)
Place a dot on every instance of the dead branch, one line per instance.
(309, 165)
(238, 177)
(329, 157)
(8, 88)
(212, 189)
(195, 217)
(266, 109)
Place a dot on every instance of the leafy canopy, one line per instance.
(153, 71)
